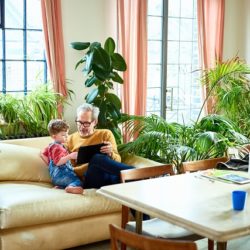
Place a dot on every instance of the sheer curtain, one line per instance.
(132, 39)
(210, 36)
(52, 27)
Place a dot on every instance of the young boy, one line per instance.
(58, 159)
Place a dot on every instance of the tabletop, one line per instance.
(187, 200)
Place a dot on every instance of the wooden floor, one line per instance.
(239, 244)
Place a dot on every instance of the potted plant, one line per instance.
(102, 66)
(229, 83)
(28, 116)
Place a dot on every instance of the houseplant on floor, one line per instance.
(101, 65)
(208, 137)
(229, 83)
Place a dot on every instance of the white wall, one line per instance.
(237, 29)
(84, 21)
(233, 32)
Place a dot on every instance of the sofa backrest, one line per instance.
(21, 163)
(36, 142)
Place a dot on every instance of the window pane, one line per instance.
(173, 52)
(154, 28)
(171, 116)
(154, 75)
(196, 97)
(183, 116)
(14, 76)
(155, 7)
(185, 76)
(183, 89)
(174, 8)
(34, 14)
(35, 74)
(34, 44)
(154, 52)
(14, 13)
(14, 44)
(194, 114)
(173, 28)
(195, 56)
(172, 75)
(154, 99)
(186, 29)
(185, 52)
(187, 8)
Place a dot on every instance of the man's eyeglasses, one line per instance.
(84, 124)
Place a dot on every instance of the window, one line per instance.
(174, 90)
(22, 57)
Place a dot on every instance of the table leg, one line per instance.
(138, 219)
(221, 245)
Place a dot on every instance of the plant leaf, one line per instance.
(80, 62)
(100, 73)
(92, 95)
(109, 46)
(90, 81)
(89, 59)
(116, 77)
(118, 62)
(102, 59)
(79, 45)
(112, 98)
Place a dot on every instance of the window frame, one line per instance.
(3, 60)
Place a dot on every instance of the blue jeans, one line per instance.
(103, 171)
(64, 175)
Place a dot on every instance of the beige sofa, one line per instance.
(34, 215)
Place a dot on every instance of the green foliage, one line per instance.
(30, 114)
(228, 82)
(175, 143)
(102, 65)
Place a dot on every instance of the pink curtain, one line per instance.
(210, 36)
(52, 27)
(132, 38)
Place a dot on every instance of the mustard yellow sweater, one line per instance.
(99, 136)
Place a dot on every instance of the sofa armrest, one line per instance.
(139, 162)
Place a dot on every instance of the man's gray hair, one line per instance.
(85, 107)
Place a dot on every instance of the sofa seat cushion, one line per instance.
(21, 163)
(25, 204)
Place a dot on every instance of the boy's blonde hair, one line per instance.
(56, 126)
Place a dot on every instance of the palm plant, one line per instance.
(175, 143)
(229, 84)
(208, 137)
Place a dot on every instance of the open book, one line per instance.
(227, 176)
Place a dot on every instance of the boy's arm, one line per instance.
(44, 157)
(65, 158)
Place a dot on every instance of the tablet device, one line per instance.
(235, 178)
(85, 153)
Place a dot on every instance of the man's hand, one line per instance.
(107, 149)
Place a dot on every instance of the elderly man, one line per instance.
(103, 169)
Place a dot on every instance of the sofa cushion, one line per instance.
(26, 204)
(22, 163)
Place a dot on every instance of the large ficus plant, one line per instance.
(101, 65)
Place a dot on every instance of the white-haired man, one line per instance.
(103, 169)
